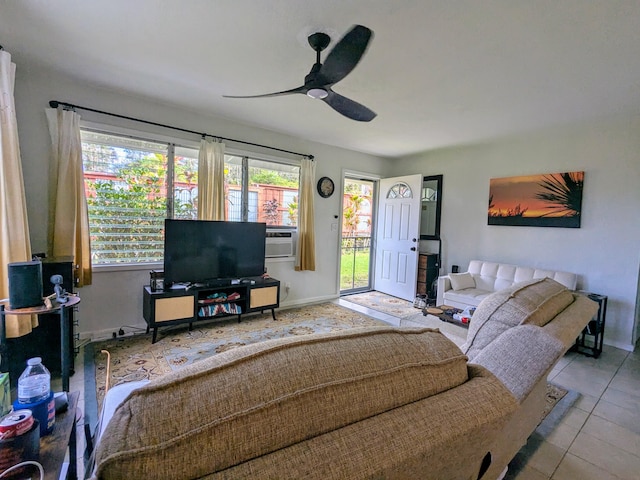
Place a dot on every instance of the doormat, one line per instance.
(381, 302)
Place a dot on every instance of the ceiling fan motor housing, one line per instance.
(319, 41)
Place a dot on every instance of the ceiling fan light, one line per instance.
(318, 93)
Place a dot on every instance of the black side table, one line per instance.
(589, 342)
(63, 310)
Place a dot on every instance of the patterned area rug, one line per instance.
(136, 358)
(382, 302)
(555, 393)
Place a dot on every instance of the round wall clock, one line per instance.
(325, 187)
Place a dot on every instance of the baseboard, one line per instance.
(623, 346)
(107, 333)
(308, 301)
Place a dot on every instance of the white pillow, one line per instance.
(460, 281)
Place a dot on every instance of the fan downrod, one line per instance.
(319, 41)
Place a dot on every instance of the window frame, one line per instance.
(172, 142)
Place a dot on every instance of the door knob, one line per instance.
(414, 240)
(413, 249)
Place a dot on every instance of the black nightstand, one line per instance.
(589, 342)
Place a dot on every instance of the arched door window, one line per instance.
(400, 190)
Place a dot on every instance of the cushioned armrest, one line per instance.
(112, 400)
(520, 356)
(444, 284)
(568, 324)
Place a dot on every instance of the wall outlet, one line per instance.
(287, 286)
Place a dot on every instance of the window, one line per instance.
(133, 184)
(185, 183)
(400, 190)
(276, 188)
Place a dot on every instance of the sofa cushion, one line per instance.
(533, 302)
(470, 296)
(461, 281)
(262, 397)
(520, 357)
(414, 441)
(497, 276)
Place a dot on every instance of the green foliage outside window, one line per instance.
(271, 177)
(126, 213)
(127, 193)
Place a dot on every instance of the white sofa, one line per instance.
(469, 288)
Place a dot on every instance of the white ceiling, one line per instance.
(437, 72)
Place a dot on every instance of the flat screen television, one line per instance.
(204, 251)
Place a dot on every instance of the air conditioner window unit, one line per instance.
(280, 243)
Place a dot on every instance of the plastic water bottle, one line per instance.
(34, 384)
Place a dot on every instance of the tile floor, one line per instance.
(598, 439)
(76, 383)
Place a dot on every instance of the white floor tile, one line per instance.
(575, 418)
(586, 402)
(607, 457)
(623, 399)
(613, 434)
(626, 382)
(575, 468)
(546, 458)
(530, 473)
(562, 435)
(618, 415)
(580, 382)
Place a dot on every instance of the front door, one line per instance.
(397, 236)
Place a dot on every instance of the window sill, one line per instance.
(160, 266)
(127, 267)
(280, 259)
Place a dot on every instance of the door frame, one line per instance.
(346, 172)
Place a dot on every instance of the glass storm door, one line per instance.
(355, 251)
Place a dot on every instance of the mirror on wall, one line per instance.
(431, 207)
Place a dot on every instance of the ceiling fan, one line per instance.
(343, 58)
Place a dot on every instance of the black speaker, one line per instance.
(25, 284)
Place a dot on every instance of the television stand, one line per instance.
(201, 302)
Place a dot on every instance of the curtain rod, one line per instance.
(56, 104)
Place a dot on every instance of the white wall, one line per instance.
(115, 298)
(604, 252)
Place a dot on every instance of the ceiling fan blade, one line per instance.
(346, 54)
(302, 89)
(348, 108)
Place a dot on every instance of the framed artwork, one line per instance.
(549, 200)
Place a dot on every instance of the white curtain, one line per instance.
(15, 244)
(68, 214)
(306, 247)
(211, 180)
